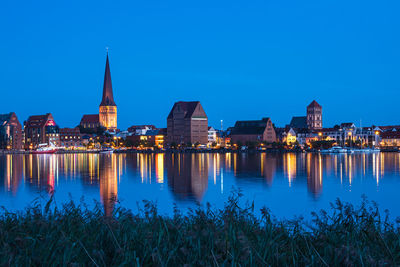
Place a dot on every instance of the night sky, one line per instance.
(241, 59)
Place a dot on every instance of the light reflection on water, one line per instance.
(289, 184)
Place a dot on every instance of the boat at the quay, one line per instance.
(341, 150)
(335, 149)
(44, 149)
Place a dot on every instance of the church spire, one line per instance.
(108, 98)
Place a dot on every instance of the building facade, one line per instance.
(390, 139)
(253, 131)
(70, 137)
(152, 138)
(41, 129)
(11, 135)
(187, 123)
(314, 116)
(212, 135)
(108, 108)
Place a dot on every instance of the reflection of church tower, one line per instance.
(314, 174)
(108, 108)
(108, 182)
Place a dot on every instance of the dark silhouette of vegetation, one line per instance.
(77, 236)
(98, 131)
(323, 144)
(173, 145)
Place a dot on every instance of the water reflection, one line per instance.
(314, 173)
(189, 177)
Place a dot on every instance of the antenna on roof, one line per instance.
(107, 49)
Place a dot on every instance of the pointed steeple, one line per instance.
(108, 98)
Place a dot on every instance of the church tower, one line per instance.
(108, 108)
(314, 116)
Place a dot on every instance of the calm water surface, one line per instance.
(289, 184)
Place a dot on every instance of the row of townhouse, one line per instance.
(373, 136)
(36, 130)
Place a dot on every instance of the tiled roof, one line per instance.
(188, 107)
(299, 122)
(37, 120)
(249, 127)
(250, 130)
(391, 135)
(152, 132)
(90, 118)
(389, 127)
(347, 124)
(314, 104)
(324, 130)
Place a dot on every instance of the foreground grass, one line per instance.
(77, 236)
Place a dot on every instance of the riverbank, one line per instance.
(77, 236)
(149, 151)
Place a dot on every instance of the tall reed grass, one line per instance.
(75, 235)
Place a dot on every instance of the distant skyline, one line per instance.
(242, 60)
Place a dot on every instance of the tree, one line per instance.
(129, 143)
(323, 144)
(100, 131)
(189, 144)
(173, 145)
(251, 145)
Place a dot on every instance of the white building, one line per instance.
(212, 135)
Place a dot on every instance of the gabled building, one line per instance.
(187, 123)
(41, 129)
(289, 136)
(11, 136)
(286, 135)
(253, 131)
(305, 136)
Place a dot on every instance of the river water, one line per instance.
(288, 184)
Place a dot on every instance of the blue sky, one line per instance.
(241, 59)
